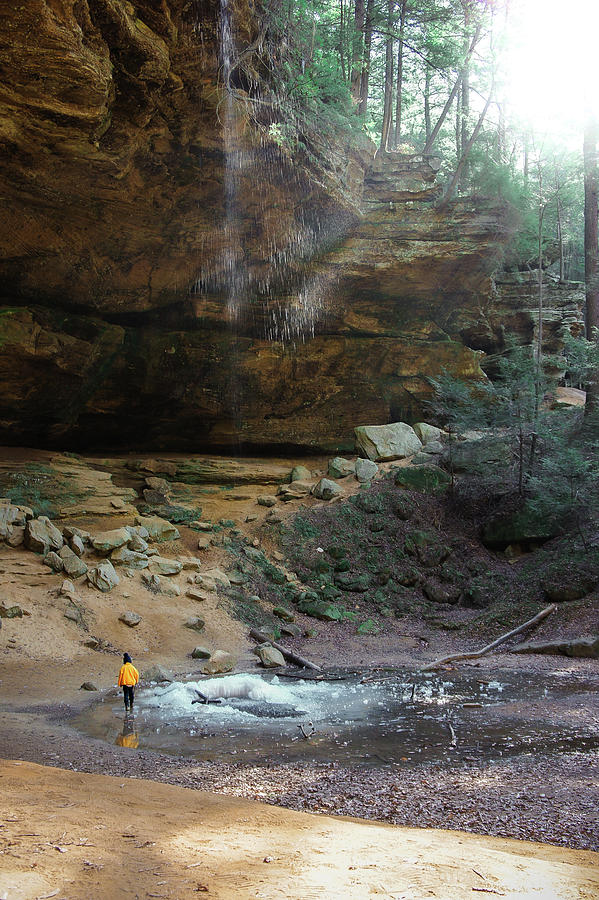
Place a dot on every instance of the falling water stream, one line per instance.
(401, 718)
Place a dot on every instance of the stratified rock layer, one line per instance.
(172, 277)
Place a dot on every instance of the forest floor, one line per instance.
(83, 818)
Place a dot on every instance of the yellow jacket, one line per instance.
(128, 675)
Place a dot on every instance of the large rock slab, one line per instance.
(106, 541)
(220, 662)
(384, 442)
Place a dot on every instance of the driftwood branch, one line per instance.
(292, 657)
(475, 654)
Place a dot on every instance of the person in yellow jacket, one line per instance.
(128, 678)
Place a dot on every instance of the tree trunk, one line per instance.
(388, 101)
(357, 49)
(591, 253)
(365, 76)
(429, 144)
(458, 172)
(427, 104)
(399, 78)
(341, 32)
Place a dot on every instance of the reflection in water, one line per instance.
(128, 736)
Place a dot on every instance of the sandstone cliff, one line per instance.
(173, 274)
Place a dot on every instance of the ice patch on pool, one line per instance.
(245, 697)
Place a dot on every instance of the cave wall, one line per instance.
(172, 275)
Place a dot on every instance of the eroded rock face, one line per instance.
(173, 277)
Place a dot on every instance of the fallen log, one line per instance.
(292, 657)
(475, 654)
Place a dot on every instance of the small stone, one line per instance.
(190, 562)
(281, 613)
(91, 643)
(88, 686)
(195, 623)
(290, 630)
(200, 653)
(251, 518)
(11, 612)
(204, 543)
(203, 526)
(273, 518)
(67, 587)
(340, 467)
(137, 544)
(129, 618)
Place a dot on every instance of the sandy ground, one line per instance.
(77, 836)
(71, 832)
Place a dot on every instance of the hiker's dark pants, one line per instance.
(128, 695)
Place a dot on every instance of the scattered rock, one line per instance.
(137, 544)
(160, 565)
(365, 470)
(126, 557)
(269, 656)
(11, 612)
(273, 518)
(294, 491)
(300, 473)
(88, 686)
(53, 561)
(157, 673)
(204, 543)
(195, 623)
(103, 577)
(200, 653)
(291, 630)
(92, 643)
(326, 489)
(212, 578)
(441, 593)
(219, 662)
(71, 531)
(267, 500)
(384, 442)
(130, 618)
(427, 433)
(194, 594)
(17, 536)
(251, 518)
(158, 484)
(106, 541)
(159, 530)
(77, 545)
(41, 535)
(190, 562)
(67, 587)
(73, 566)
(340, 467)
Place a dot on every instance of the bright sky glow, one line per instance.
(552, 63)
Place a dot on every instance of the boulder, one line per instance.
(320, 609)
(441, 593)
(195, 623)
(8, 516)
(269, 656)
(67, 587)
(572, 585)
(326, 489)
(273, 518)
(383, 442)
(190, 562)
(159, 530)
(11, 612)
(106, 541)
(365, 470)
(290, 629)
(139, 531)
(584, 648)
(219, 662)
(137, 544)
(73, 566)
(71, 531)
(340, 467)
(160, 565)
(200, 653)
(433, 448)
(158, 585)
(41, 535)
(161, 485)
(157, 673)
(300, 473)
(17, 536)
(521, 527)
(103, 576)
(130, 618)
(478, 453)
(131, 558)
(212, 578)
(427, 433)
(88, 686)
